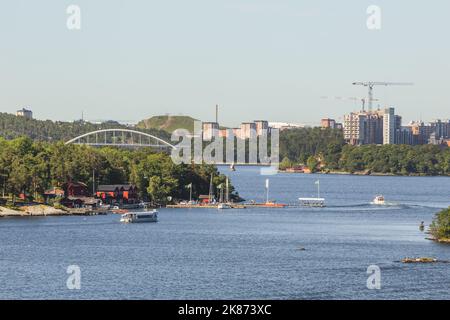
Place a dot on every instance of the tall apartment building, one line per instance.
(209, 130)
(246, 129)
(261, 125)
(374, 131)
(328, 123)
(372, 127)
(405, 135)
(355, 127)
(24, 113)
(389, 122)
(441, 128)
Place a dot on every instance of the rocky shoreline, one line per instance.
(43, 211)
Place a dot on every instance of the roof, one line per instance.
(77, 183)
(203, 196)
(55, 191)
(114, 187)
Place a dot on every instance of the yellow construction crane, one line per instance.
(371, 84)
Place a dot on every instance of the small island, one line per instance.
(440, 228)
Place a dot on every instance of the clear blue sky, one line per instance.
(257, 59)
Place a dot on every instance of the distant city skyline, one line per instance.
(270, 60)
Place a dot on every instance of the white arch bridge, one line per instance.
(120, 138)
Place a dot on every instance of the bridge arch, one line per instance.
(110, 138)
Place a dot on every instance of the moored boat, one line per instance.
(137, 217)
(312, 202)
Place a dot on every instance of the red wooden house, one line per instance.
(76, 189)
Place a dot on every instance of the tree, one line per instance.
(440, 227)
(312, 163)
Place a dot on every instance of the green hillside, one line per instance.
(168, 123)
(12, 127)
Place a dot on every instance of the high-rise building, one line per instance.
(354, 127)
(210, 129)
(328, 123)
(246, 129)
(441, 128)
(24, 113)
(389, 129)
(405, 136)
(261, 125)
(374, 131)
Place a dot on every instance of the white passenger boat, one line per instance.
(379, 199)
(137, 217)
(312, 202)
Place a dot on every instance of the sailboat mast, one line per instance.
(318, 188)
(267, 190)
(227, 191)
(210, 188)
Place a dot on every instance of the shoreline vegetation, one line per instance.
(440, 227)
(29, 168)
(317, 150)
(357, 173)
(313, 149)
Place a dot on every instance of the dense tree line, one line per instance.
(325, 149)
(31, 167)
(298, 145)
(12, 127)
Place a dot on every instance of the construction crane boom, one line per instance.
(371, 84)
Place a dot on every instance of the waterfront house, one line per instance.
(76, 189)
(118, 193)
(204, 199)
(80, 202)
(77, 195)
(54, 193)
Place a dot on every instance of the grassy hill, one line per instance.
(168, 123)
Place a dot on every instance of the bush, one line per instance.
(440, 228)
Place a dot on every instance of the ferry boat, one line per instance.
(312, 202)
(379, 199)
(137, 217)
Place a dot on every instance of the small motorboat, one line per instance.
(379, 199)
(137, 217)
(223, 206)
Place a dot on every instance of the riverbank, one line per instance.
(365, 173)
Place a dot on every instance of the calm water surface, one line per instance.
(241, 254)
